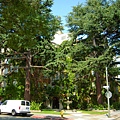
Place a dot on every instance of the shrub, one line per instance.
(95, 107)
(35, 106)
(116, 105)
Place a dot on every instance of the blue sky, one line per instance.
(63, 7)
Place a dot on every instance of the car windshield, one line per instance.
(4, 103)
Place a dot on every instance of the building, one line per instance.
(60, 37)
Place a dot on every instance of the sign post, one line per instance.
(108, 93)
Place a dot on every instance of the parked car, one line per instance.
(15, 107)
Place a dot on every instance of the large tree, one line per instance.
(95, 25)
(26, 30)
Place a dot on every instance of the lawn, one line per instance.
(82, 111)
(49, 112)
(94, 112)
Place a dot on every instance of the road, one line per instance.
(18, 117)
(31, 117)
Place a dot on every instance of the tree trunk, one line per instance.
(98, 80)
(27, 80)
(98, 89)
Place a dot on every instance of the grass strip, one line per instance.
(50, 112)
(94, 112)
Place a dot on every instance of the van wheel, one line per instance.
(24, 114)
(0, 111)
(13, 112)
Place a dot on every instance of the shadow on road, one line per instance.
(6, 116)
(31, 116)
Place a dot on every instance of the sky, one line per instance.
(63, 7)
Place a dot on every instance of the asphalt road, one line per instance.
(30, 116)
(18, 117)
(14, 118)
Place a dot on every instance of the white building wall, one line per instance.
(118, 60)
(60, 37)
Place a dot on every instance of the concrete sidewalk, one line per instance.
(114, 115)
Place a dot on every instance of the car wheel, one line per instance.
(0, 111)
(13, 112)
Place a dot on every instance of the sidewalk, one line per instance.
(114, 115)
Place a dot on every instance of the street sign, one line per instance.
(106, 87)
(108, 94)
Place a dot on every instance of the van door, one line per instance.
(22, 105)
(28, 106)
(4, 106)
(25, 106)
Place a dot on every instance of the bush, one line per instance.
(95, 107)
(100, 107)
(35, 106)
(116, 105)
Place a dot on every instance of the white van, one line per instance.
(15, 107)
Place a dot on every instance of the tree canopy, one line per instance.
(74, 70)
(98, 20)
(26, 30)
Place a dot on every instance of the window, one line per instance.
(27, 104)
(5, 103)
(22, 102)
